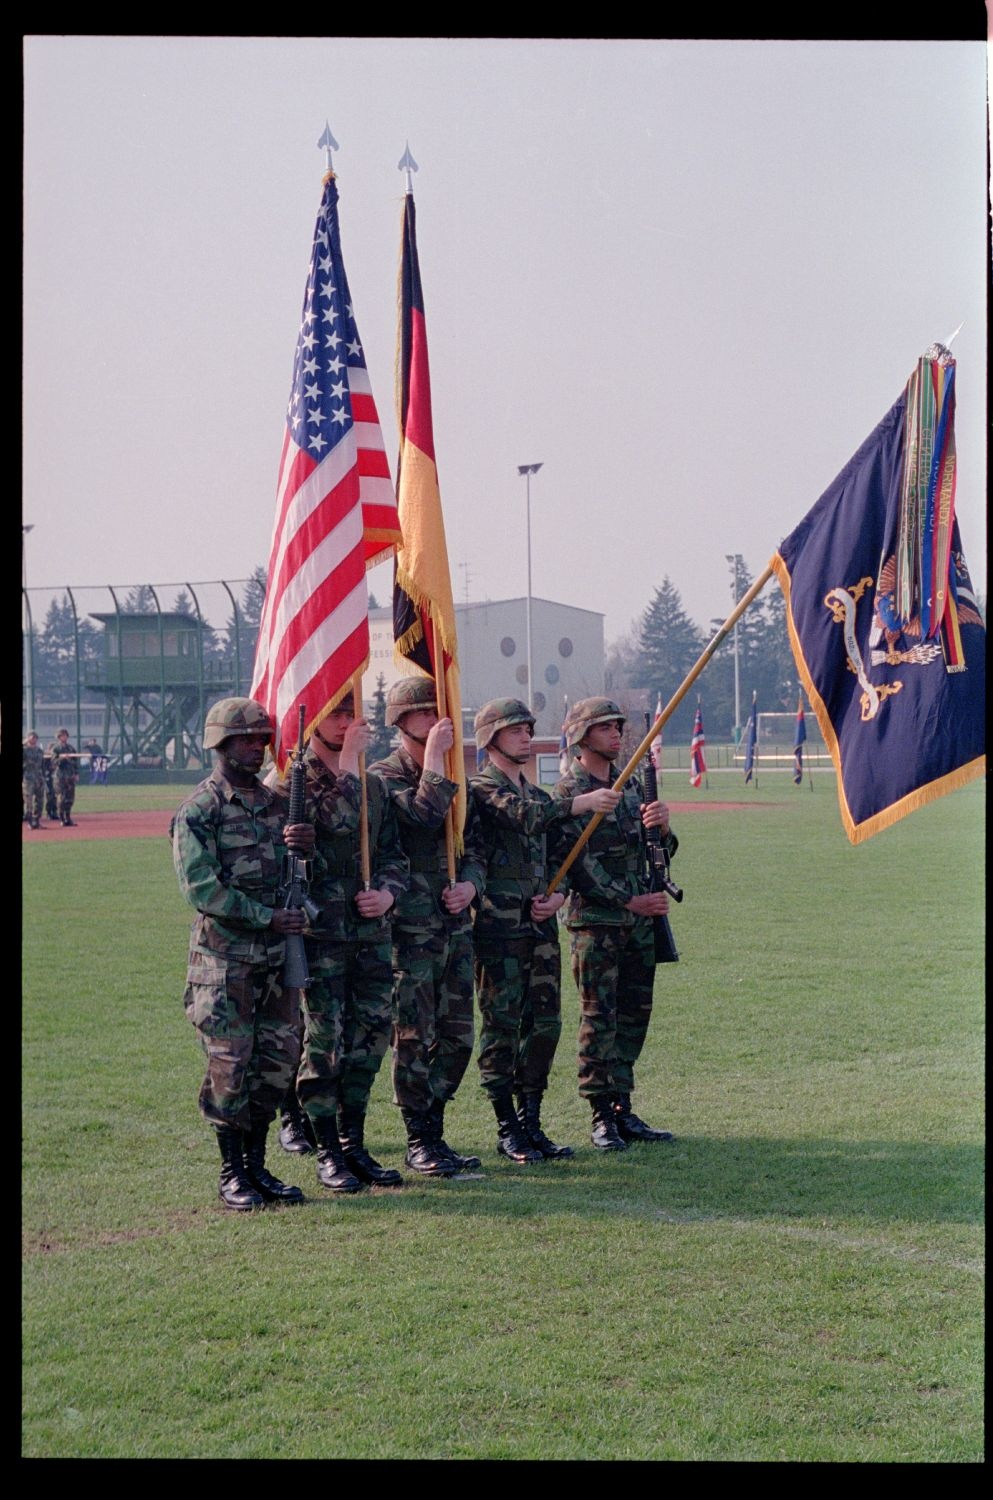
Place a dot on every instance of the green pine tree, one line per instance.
(668, 646)
(382, 740)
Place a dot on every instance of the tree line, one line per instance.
(652, 658)
(662, 646)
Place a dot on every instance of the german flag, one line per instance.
(423, 609)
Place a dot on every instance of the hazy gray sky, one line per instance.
(689, 277)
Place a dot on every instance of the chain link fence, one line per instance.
(132, 669)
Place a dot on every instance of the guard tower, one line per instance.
(157, 686)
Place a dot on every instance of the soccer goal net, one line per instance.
(775, 734)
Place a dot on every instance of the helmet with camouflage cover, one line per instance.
(500, 713)
(232, 716)
(589, 711)
(407, 695)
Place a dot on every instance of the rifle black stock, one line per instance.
(658, 866)
(296, 882)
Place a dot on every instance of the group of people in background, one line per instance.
(48, 780)
(395, 960)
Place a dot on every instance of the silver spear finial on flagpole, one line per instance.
(329, 143)
(943, 352)
(407, 164)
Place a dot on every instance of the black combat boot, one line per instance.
(604, 1135)
(296, 1134)
(630, 1127)
(529, 1115)
(511, 1139)
(424, 1155)
(272, 1190)
(436, 1119)
(351, 1131)
(332, 1171)
(235, 1189)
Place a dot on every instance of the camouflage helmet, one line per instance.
(500, 713)
(407, 695)
(232, 716)
(587, 712)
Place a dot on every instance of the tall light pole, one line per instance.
(734, 559)
(29, 633)
(527, 470)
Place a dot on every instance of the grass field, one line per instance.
(798, 1277)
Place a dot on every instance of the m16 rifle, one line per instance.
(658, 866)
(293, 892)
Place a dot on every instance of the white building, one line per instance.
(566, 648)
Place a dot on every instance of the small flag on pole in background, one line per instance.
(698, 761)
(655, 750)
(798, 743)
(750, 732)
(336, 513)
(889, 642)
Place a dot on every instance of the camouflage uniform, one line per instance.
(228, 853)
(65, 774)
(33, 781)
(518, 961)
(347, 1006)
(51, 805)
(613, 951)
(432, 951)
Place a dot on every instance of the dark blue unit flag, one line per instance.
(902, 712)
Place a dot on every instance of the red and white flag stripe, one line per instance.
(336, 510)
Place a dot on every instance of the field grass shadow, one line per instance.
(700, 1178)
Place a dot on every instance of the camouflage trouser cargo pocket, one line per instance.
(206, 999)
(432, 1015)
(247, 1026)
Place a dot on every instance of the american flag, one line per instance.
(798, 740)
(655, 749)
(563, 747)
(698, 762)
(336, 512)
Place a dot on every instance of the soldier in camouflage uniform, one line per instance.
(517, 954)
(609, 920)
(32, 779)
(432, 933)
(65, 774)
(229, 841)
(347, 1009)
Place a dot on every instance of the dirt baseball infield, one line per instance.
(103, 825)
(155, 823)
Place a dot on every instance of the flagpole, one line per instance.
(364, 863)
(810, 774)
(754, 722)
(666, 713)
(706, 774)
(442, 703)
